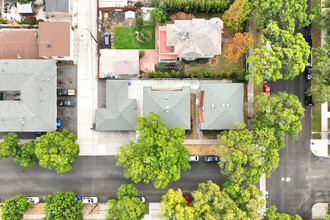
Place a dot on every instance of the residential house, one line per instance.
(221, 105)
(119, 114)
(28, 90)
(190, 40)
(173, 105)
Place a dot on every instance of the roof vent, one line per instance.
(222, 105)
(216, 116)
(167, 107)
(22, 121)
(167, 111)
(166, 97)
(213, 106)
(228, 105)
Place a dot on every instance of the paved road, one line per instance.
(309, 174)
(97, 176)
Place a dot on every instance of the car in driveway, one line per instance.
(89, 200)
(308, 71)
(66, 103)
(141, 198)
(266, 88)
(107, 40)
(308, 100)
(66, 92)
(33, 200)
(194, 158)
(208, 159)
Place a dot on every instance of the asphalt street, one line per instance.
(309, 179)
(94, 176)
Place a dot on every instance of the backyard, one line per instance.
(125, 37)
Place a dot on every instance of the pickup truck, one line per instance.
(65, 92)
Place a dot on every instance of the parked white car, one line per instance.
(141, 198)
(33, 200)
(89, 200)
(194, 158)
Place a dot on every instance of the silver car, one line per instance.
(194, 158)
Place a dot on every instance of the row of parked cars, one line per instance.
(66, 92)
(195, 158)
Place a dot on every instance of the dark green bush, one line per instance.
(142, 53)
(162, 65)
(139, 21)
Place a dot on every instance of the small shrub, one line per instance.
(173, 74)
(165, 75)
(138, 4)
(142, 53)
(22, 22)
(200, 75)
(139, 21)
(3, 21)
(162, 65)
(214, 75)
(182, 68)
(151, 74)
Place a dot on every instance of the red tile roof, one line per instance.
(54, 39)
(21, 42)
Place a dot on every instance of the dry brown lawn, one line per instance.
(205, 149)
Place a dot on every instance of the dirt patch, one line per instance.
(194, 134)
(182, 16)
(205, 149)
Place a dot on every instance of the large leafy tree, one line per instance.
(282, 112)
(157, 16)
(9, 147)
(57, 150)
(271, 214)
(280, 55)
(244, 161)
(127, 206)
(240, 45)
(63, 206)
(174, 206)
(237, 14)
(14, 208)
(286, 12)
(158, 156)
(320, 88)
(26, 156)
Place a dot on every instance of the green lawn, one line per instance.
(316, 115)
(125, 38)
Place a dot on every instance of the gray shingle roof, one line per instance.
(57, 6)
(195, 38)
(119, 114)
(223, 105)
(36, 81)
(173, 106)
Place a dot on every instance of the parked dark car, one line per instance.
(107, 40)
(309, 40)
(308, 71)
(65, 103)
(211, 159)
(308, 100)
(267, 88)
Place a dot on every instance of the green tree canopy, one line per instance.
(9, 147)
(286, 12)
(57, 150)
(174, 206)
(158, 156)
(157, 15)
(237, 14)
(63, 206)
(271, 214)
(280, 55)
(320, 88)
(243, 160)
(281, 111)
(26, 156)
(127, 207)
(14, 208)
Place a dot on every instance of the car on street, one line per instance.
(187, 199)
(308, 71)
(266, 88)
(58, 122)
(66, 103)
(33, 200)
(66, 92)
(308, 39)
(141, 198)
(308, 100)
(208, 159)
(194, 158)
(89, 200)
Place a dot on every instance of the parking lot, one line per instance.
(67, 79)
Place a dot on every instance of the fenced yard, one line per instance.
(125, 37)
